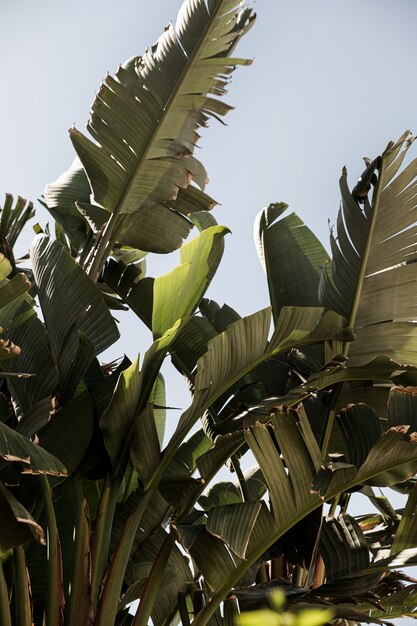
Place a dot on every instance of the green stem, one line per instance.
(127, 480)
(23, 605)
(103, 248)
(328, 432)
(183, 609)
(79, 604)
(330, 419)
(54, 590)
(153, 584)
(345, 503)
(5, 617)
(333, 506)
(365, 255)
(230, 610)
(101, 538)
(109, 600)
(242, 482)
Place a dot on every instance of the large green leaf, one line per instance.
(145, 448)
(292, 257)
(17, 315)
(145, 122)
(288, 492)
(361, 428)
(372, 273)
(71, 304)
(177, 294)
(35, 359)
(116, 421)
(234, 524)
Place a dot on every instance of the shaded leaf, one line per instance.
(16, 448)
(68, 433)
(71, 304)
(402, 407)
(244, 345)
(234, 523)
(291, 256)
(17, 524)
(361, 428)
(343, 547)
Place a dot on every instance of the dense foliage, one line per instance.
(97, 510)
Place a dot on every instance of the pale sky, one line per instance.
(332, 81)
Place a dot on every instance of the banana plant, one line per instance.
(82, 447)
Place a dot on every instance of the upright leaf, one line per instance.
(372, 271)
(291, 256)
(177, 294)
(145, 123)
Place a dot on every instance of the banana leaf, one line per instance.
(145, 122)
(371, 276)
(291, 256)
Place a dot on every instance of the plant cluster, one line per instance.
(96, 510)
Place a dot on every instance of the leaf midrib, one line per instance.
(166, 110)
(366, 253)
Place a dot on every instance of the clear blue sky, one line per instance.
(332, 81)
